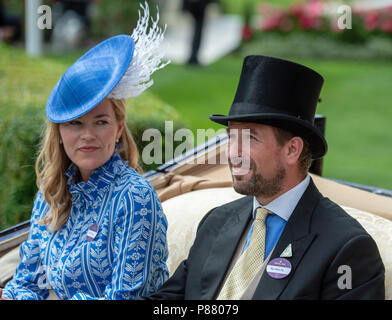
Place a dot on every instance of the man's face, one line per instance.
(255, 159)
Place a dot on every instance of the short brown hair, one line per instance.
(305, 158)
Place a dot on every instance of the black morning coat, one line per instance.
(323, 238)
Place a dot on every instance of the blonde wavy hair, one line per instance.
(52, 163)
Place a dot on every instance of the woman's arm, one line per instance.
(140, 248)
(29, 280)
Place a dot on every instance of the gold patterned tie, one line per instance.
(248, 263)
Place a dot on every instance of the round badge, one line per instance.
(279, 268)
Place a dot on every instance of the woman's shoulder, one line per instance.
(130, 179)
(38, 213)
(129, 176)
(40, 206)
(133, 191)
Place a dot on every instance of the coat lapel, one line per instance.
(297, 232)
(223, 248)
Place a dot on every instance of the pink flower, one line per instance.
(309, 16)
(315, 8)
(246, 32)
(334, 26)
(272, 22)
(286, 24)
(264, 8)
(280, 14)
(371, 20)
(297, 9)
(308, 22)
(387, 26)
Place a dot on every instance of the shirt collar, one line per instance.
(284, 205)
(99, 179)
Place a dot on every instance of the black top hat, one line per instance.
(279, 93)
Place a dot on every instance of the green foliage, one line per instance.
(19, 137)
(25, 84)
(116, 17)
(145, 112)
(310, 45)
(238, 7)
(318, 18)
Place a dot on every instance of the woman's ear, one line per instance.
(121, 126)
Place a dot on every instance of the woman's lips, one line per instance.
(88, 149)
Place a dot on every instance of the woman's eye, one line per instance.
(102, 122)
(74, 123)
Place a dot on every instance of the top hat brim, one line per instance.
(297, 126)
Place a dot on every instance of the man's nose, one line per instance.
(239, 144)
(233, 145)
(234, 148)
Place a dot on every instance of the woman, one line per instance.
(97, 227)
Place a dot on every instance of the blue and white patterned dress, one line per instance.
(125, 258)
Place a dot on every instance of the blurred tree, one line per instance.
(110, 17)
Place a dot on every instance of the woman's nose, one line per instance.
(88, 133)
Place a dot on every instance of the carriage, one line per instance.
(195, 182)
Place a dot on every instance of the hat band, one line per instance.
(244, 108)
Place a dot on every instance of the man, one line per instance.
(284, 240)
(197, 9)
(10, 25)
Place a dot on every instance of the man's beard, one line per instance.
(257, 185)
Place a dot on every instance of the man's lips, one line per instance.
(239, 166)
(88, 149)
(240, 171)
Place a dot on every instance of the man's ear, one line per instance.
(293, 150)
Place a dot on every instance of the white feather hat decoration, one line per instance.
(147, 57)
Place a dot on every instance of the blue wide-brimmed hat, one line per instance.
(90, 79)
(119, 67)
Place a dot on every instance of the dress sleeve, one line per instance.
(29, 281)
(140, 247)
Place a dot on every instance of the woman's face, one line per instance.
(89, 141)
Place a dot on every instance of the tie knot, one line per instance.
(261, 213)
